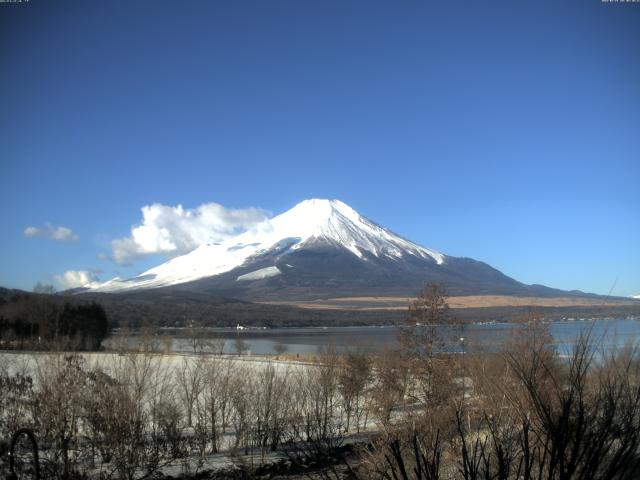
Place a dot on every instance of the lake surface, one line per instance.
(608, 334)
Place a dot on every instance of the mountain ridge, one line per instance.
(309, 222)
(321, 249)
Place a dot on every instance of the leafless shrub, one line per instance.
(407, 460)
(16, 398)
(57, 411)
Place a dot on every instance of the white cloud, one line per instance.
(175, 230)
(75, 278)
(59, 234)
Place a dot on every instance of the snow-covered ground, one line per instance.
(34, 363)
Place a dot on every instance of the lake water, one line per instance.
(608, 334)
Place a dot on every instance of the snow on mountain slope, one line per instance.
(259, 274)
(310, 221)
(636, 296)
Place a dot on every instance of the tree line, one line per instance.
(42, 322)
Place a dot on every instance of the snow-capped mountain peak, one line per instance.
(336, 221)
(309, 222)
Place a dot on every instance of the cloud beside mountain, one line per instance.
(58, 234)
(75, 279)
(174, 230)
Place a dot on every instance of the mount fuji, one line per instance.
(320, 249)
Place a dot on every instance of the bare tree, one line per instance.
(280, 348)
(271, 407)
(354, 376)
(115, 427)
(217, 345)
(149, 338)
(167, 343)
(242, 402)
(189, 378)
(390, 382)
(429, 330)
(197, 336)
(217, 389)
(240, 345)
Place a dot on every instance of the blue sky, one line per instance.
(504, 131)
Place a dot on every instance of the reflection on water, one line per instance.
(608, 334)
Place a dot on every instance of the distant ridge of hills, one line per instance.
(171, 307)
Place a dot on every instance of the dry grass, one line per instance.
(296, 357)
(471, 301)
